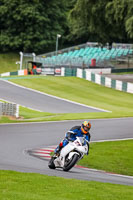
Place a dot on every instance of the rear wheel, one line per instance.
(51, 164)
(69, 164)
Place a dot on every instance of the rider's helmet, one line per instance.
(85, 127)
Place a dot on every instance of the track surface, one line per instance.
(16, 138)
(40, 101)
(123, 77)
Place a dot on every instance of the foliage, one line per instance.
(102, 21)
(31, 25)
(119, 14)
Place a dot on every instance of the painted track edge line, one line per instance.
(111, 140)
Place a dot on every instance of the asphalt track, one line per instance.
(15, 139)
(40, 101)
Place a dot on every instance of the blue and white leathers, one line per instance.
(71, 135)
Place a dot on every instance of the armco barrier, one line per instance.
(17, 73)
(108, 82)
(9, 109)
(99, 79)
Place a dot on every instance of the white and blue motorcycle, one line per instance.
(70, 154)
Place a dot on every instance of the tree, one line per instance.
(31, 25)
(102, 21)
(129, 26)
(119, 14)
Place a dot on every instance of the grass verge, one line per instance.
(25, 186)
(79, 90)
(115, 157)
(8, 62)
(29, 115)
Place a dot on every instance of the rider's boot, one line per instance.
(58, 149)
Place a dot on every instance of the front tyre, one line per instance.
(51, 164)
(69, 164)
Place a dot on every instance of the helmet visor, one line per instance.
(86, 128)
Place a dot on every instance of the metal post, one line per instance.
(34, 57)
(56, 45)
(128, 62)
(57, 38)
(21, 60)
(17, 111)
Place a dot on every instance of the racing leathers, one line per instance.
(71, 136)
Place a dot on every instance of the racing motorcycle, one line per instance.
(70, 154)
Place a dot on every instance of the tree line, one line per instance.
(34, 24)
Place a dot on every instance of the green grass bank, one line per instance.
(110, 156)
(8, 62)
(25, 186)
(82, 91)
(115, 157)
(120, 104)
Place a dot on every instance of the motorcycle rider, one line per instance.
(80, 131)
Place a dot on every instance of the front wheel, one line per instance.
(51, 164)
(69, 164)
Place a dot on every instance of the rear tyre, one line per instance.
(68, 165)
(51, 164)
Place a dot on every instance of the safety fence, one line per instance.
(99, 79)
(84, 55)
(89, 54)
(9, 109)
(87, 44)
(16, 73)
